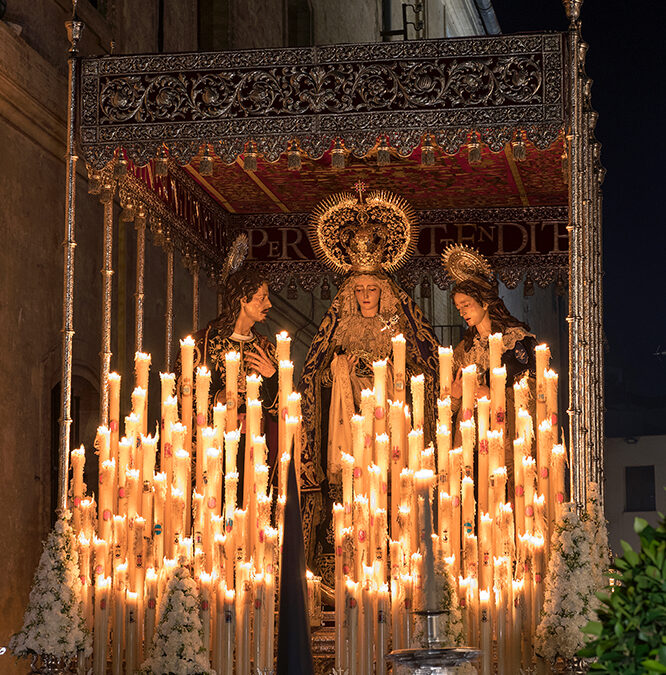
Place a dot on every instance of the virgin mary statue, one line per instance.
(365, 239)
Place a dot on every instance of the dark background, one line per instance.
(625, 60)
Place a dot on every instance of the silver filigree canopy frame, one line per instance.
(264, 100)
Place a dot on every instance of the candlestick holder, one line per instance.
(433, 659)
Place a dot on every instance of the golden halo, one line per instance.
(464, 262)
(355, 232)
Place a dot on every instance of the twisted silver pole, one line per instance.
(106, 197)
(74, 29)
(140, 225)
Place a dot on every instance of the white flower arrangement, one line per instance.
(572, 580)
(178, 646)
(595, 521)
(53, 623)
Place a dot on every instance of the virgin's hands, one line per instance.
(456, 385)
(260, 362)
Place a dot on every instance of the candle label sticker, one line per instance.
(529, 510)
(381, 616)
(77, 501)
(398, 385)
(167, 450)
(186, 388)
(468, 527)
(107, 515)
(467, 414)
(231, 402)
(201, 420)
(357, 472)
(114, 425)
(228, 617)
(229, 524)
(553, 419)
(455, 500)
(157, 529)
(559, 497)
(212, 502)
(379, 413)
(368, 441)
(499, 416)
(520, 491)
(102, 603)
(152, 604)
(99, 569)
(361, 535)
(204, 605)
(544, 472)
(139, 560)
(396, 453)
(537, 577)
(483, 447)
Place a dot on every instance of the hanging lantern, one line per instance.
(292, 289)
(206, 163)
(325, 290)
(383, 154)
(127, 213)
(294, 162)
(120, 166)
(337, 155)
(426, 287)
(94, 182)
(250, 158)
(519, 149)
(528, 288)
(427, 153)
(161, 166)
(474, 150)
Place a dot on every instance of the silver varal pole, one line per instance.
(74, 29)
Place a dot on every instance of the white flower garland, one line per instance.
(178, 646)
(53, 623)
(573, 578)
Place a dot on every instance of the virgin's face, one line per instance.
(470, 310)
(367, 293)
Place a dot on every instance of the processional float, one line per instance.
(514, 91)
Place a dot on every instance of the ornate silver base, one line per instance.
(433, 661)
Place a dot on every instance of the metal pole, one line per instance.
(576, 270)
(140, 225)
(195, 297)
(74, 29)
(106, 197)
(169, 306)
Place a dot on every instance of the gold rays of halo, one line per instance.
(335, 220)
(464, 262)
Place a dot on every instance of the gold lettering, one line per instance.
(258, 238)
(288, 246)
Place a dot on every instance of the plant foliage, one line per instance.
(630, 634)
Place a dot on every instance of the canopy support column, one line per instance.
(74, 29)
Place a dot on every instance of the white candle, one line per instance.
(445, 355)
(399, 374)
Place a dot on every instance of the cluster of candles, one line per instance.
(494, 548)
(146, 523)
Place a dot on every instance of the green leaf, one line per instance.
(640, 524)
(654, 666)
(593, 628)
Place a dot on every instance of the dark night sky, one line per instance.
(625, 60)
